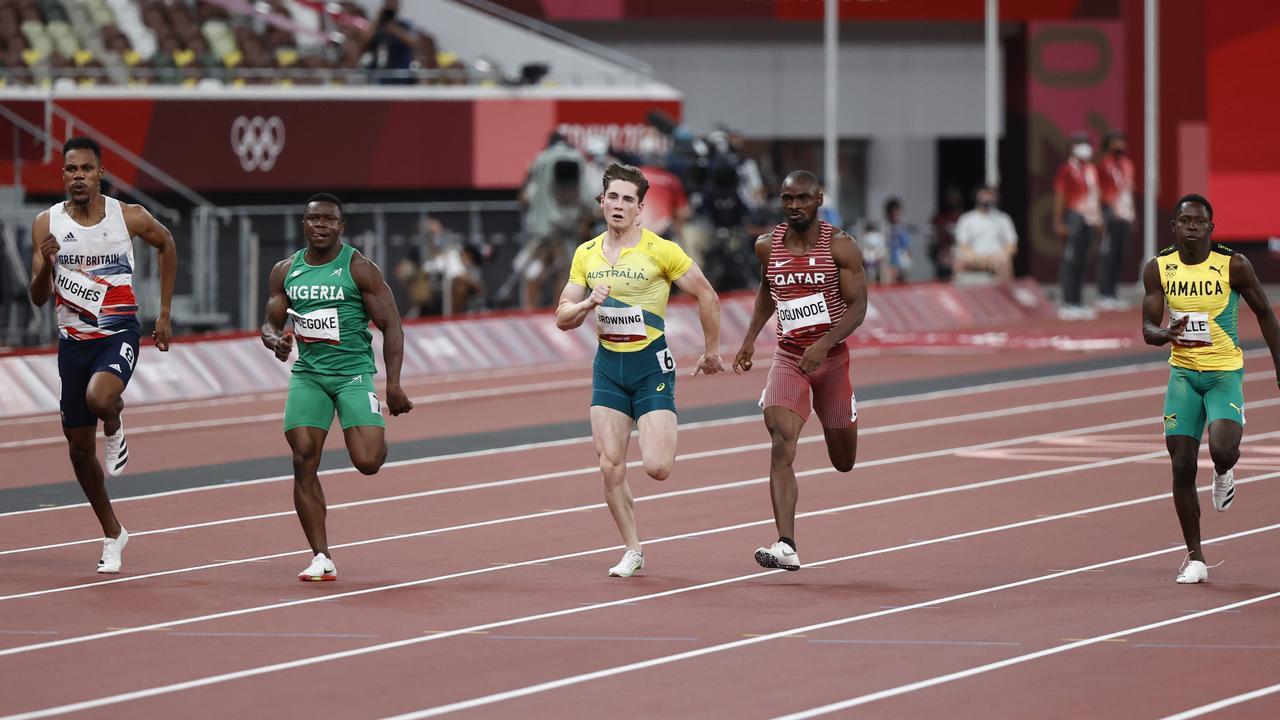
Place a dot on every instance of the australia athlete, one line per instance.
(623, 277)
(1202, 283)
(811, 275)
(331, 293)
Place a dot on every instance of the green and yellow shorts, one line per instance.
(313, 398)
(1197, 397)
(635, 383)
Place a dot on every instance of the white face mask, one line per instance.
(1083, 151)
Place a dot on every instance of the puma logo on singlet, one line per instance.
(1215, 269)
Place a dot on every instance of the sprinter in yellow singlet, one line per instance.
(1202, 282)
(624, 277)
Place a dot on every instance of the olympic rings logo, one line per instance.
(258, 142)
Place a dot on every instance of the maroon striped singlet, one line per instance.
(805, 289)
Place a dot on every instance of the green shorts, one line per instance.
(1199, 396)
(635, 383)
(313, 397)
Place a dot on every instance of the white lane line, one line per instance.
(680, 493)
(594, 606)
(934, 395)
(713, 649)
(813, 437)
(1225, 703)
(1019, 659)
(586, 677)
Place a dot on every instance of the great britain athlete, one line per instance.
(331, 292)
(1202, 283)
(811, 274)
(83, 257)
(624, 276)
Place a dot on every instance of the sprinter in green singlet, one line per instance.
(330, 292)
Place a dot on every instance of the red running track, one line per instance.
(1002, 552)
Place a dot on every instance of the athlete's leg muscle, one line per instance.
(82, 447)
(1183, 451)
(308, 497)
(784, 428)
(104, 400)
(611, 432)
(658, 442)
(367, 446)
(842, 446)
(1224, 444)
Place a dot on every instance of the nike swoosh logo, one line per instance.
(780, 263)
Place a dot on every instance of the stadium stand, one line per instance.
(217, 42)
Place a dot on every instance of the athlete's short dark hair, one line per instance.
(803, 176)
(82, 143)
(1195, 198)
(626, 173)
(326, 197)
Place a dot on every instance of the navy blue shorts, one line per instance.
(78, 360)
(635, 383)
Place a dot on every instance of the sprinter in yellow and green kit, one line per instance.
(331, 293)
(1202, 282)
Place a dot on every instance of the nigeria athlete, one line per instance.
(624, 277)
(1202, 282)
(811, 274)
(331, 292)
(83, 257)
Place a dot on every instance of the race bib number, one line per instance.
(803, 312)
(1196, 332)
(80, 291)
(317, 326)
(620, 324)
(666, 361)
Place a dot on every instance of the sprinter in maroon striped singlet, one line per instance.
(811, 274)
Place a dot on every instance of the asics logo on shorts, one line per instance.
(661, 387)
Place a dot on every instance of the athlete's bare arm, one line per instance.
(141, 224)
(576, 302)
(853, 288)
(1153, 309)
(762, 311)
(695, 283)
(1245, 280)
(44, 253)
(273, 335)
(380, 304)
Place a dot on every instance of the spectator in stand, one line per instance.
(560, 207)
(986, 240)
(942, 244)
(897, 244)
(1115, 180)
(389, 44)
(1077, 216)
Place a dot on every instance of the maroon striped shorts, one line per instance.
(829, 385)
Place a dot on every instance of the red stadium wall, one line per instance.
(1243, 56)
(244, 145)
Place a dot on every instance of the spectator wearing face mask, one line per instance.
(1077, 216)
(1115, 180)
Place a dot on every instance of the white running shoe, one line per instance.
(779, 555)
(1193, 572)
(112, 550)
(1224, 490)
(117, 452)
(320, 569)
(632, 561)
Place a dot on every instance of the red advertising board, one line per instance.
(230, 144)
